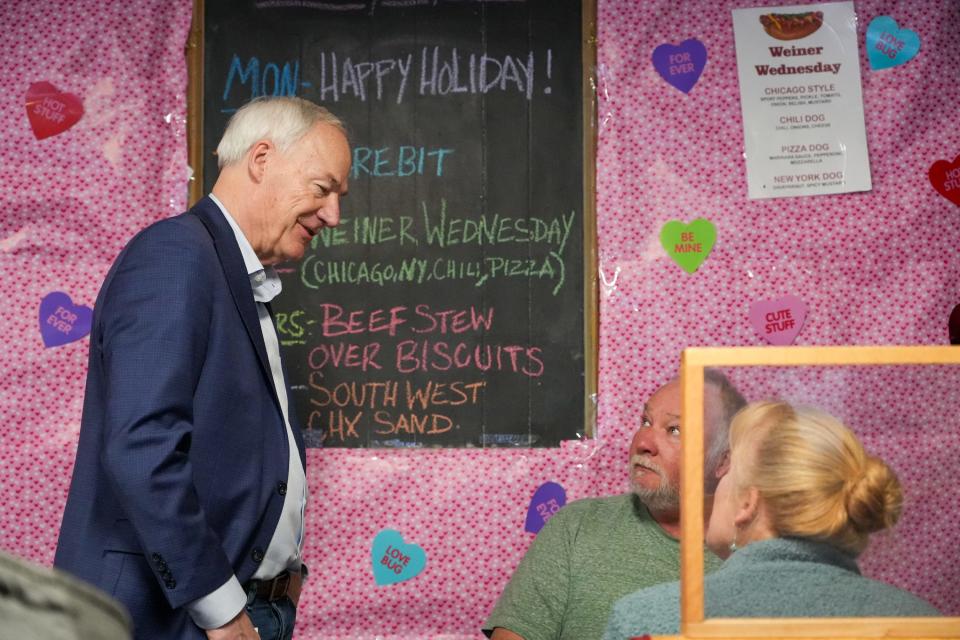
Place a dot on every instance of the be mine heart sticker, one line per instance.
(546, 501)
(50, 110)
(778, 321)
(61, 321)
(394, 560)
(945, 178)
(681, 65)
(688, 244)
(888, 45)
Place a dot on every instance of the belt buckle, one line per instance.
(278, 586)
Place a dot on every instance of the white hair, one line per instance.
(283, 120)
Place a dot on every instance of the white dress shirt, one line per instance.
(283, 552)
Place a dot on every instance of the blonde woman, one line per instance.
(795, 510)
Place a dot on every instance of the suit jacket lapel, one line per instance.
(236, 274)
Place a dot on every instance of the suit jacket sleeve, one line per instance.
(153, 327)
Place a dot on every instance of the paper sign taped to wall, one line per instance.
(801, 99)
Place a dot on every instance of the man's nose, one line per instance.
(330, 212)
(643, 443)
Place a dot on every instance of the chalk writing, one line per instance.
(434, 71)
(272, 80)
(316, 271)
(404, 161)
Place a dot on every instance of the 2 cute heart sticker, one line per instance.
(50, 110)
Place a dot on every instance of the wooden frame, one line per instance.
(692, 623)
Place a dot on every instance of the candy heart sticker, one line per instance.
(778, 321)
(393, 560)
(888, 45)
(688, 244)
(51, 111)
(954, 325)
(945, 178)
(546, 501)
(61, 321)
(681, 65)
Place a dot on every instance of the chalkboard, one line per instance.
(448, 308)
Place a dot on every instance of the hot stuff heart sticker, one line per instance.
(681, 65)
(945, 178)
(61, 321)
(688, 244)
(50, 110)
(778, 321)
(888, 45)
(394, 560)
(546, 501)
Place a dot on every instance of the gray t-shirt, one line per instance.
(589, 555)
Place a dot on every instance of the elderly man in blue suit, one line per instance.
(189, 487)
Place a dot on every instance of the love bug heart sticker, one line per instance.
(394, 560)
(945, 178)
(954, 325)
(50, 110)
(61, 321)
(778, 321)
(688, 244)
(681, 65)
(546, 501)
(888, 45)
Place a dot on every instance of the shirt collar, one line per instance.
(263, 280)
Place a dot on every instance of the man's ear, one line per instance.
(257, 158)
(748, 506)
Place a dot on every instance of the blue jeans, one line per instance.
(273, 620)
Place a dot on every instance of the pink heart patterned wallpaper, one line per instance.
(870, 268)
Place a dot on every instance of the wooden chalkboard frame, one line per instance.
(194, 49)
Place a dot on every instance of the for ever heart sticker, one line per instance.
(945, 178)
(681, 65)
(394, 560)
(61, 321)
(778, 321)
(50, 110)
(688, 244)
(547, 500)
(888, 45)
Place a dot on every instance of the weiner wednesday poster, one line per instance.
(802, 103)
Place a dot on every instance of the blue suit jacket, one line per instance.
(182, 461)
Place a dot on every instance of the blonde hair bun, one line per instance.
(874, 500)
(813, 475)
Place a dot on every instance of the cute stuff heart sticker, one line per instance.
(888, 45)
(681, 65)
(50, 110)
(778, 321)
(394, 560)
(688, 244)
(945, 178)
(61, 321)
(547, 500)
